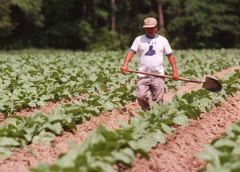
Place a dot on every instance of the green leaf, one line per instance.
(204, 156)
(108, 105)
(181, 120)
(143, 153)
(97, 138)
(109, 159)
(213, 154)
(14, 118)
(146, 143)
(93, 77)
(45, 97)
(63, 79)
(166, 128)
(224, 142)
(73, 109)
(32, 90)
(57, 128)
(28, 137)
(4, 153)
(134, 121)
(189, 97)
(103, 166)
(116, 99)
(6, 141)
(32, 104)
(18, 106)
(119, 156)
(14, 97)
(93, 109)
(140, 112)
(123, 124)
(159, 136)
(129, 152)
(42, 137)
(40, 103)
(40, 168)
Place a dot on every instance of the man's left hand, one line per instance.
(175, 76)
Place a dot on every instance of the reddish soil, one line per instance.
(176, 155)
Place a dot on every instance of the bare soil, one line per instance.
(176, 155)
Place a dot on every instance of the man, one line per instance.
(151, 48)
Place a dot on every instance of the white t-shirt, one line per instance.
(151, 51)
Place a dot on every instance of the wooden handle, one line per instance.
(165, 76)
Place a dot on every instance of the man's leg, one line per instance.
(142, 92)
(157, 89)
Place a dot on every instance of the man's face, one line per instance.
(151, 32)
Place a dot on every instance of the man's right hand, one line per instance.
(123, 69)
(126, 61)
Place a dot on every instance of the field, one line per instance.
(75, 111)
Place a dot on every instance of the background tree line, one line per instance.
(113, 24)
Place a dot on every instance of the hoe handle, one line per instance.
(165, 76)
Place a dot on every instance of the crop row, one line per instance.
(107, 149)
(31, 80)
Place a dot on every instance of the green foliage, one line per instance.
(32, 10)
(6, 25)
(200, 24)
(86, 24)
(35, 128)
(106, 148)
(30, 80)
(106, 40)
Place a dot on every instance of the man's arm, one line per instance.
(174, 66)
(126, 61)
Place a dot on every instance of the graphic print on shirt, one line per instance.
(150, 51)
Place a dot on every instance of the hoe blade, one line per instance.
(212, 84)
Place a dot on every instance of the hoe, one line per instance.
(210, 84)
